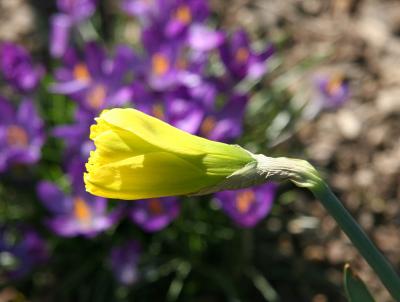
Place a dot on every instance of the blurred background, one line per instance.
(317, 80)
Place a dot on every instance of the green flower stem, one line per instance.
(367, 249)
(304, 175)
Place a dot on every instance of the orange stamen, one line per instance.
(81, 72)
(207, 125)
(244, 200)
(183, 14)
(81, 210)
(334, 84)
(242, 55)
(97, 96)
(17, 136)
(160, 64)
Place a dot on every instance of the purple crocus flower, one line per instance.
(332, 90)
(18, 68)
(22, 255)
(163, 72)
(78, 213)
(96, 81)
(240, 60)
(72, 13)
(184, 13)
(21, 134)
(178, 21)
(248, 206)
(154, 214)
(167, 66)
(124, 260)
(172, 18)
(225, 124)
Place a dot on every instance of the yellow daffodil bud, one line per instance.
(138, 156)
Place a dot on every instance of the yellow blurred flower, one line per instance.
(138, 156)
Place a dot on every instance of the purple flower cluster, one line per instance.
(172, 76)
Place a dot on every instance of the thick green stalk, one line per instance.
(303, 174)
(367, 249)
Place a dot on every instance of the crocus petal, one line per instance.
(203, 38)
(120, 97)
(63, 226)
(68, 87)
(59, 37)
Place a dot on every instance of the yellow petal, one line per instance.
(146, 176)
(165, 136)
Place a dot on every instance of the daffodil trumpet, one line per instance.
(138, 156)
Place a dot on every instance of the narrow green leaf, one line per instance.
(356, 290)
